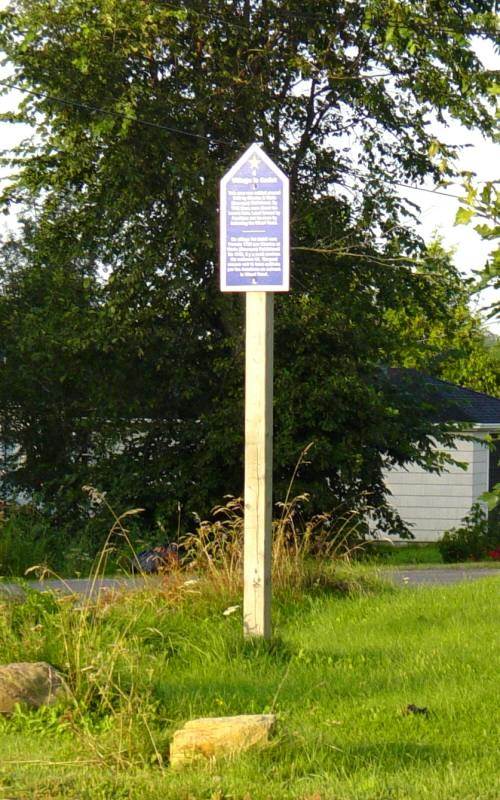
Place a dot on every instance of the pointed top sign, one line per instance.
(254, 225)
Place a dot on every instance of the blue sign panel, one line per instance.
(254, 226)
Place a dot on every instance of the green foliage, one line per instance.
(492, 498)
(447, 341)
(123, 363)
(26, 539)
(481, 204)
(473, 539)
(32, 540)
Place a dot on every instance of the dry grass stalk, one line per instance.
(302, 547)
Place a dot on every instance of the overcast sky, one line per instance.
(437, 212)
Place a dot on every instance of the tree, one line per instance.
(482, 206)
(140, 107)
(447, 339)
(48, 312)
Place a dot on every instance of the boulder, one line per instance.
(213, 737)
(32, 684)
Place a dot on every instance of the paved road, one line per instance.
(82, 586)
(86, 587)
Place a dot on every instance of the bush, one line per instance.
(31, 537)
(26, 538)
(473, 540)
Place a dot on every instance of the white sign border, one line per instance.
(284, 286)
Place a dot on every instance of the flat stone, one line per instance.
(33, 684)
(213, 737)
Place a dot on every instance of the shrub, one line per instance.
(473, 540)
(26, 538)
(30, 536)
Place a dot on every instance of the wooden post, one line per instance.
(255, 259)
(258, 464)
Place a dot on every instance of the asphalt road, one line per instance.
(86, 587)
(91, 588)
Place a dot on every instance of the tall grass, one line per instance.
(304, 549)
(29, 537)
(113, 649)
(98, 640)
(349, 655)
(99, 660)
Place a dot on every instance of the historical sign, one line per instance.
(254, 225)
(254, 258)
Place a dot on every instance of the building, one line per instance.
(432, 503)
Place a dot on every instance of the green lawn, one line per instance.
(339, 674)
(416, 555)
(403, 555)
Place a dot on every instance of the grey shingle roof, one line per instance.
(450, 402)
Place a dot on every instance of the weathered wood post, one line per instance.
(254, 258)
(258, 463)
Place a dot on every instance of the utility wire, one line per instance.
(199, 136)
(111, 113)
(361, 174)
(423, 189)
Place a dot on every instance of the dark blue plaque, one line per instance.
(254, 226)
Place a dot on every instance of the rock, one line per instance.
(33, 684)
(212, 737)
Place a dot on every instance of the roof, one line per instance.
(451, 403)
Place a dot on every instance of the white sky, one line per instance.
(437, 212)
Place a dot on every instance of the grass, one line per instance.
(404, 555)
(349, 654)
(416, 556)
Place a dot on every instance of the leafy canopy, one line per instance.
(132, 360)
